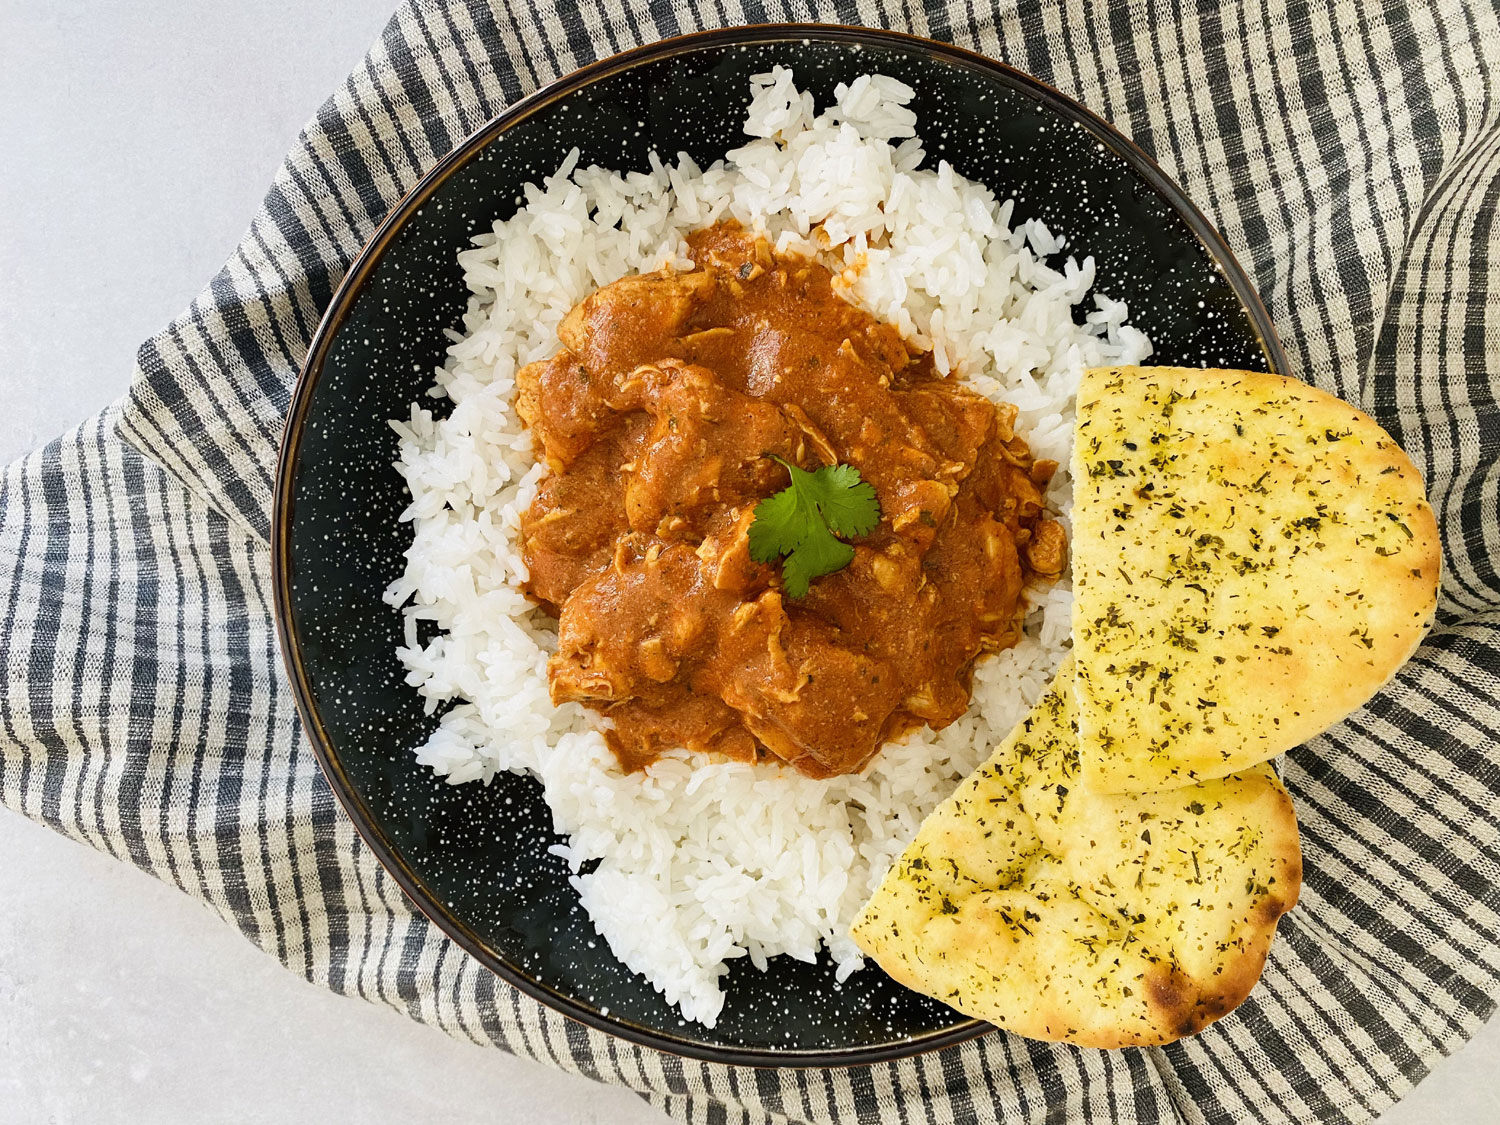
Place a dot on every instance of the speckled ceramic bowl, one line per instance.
(475, 859)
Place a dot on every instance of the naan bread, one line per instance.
(1101, 920)
(1252, 559)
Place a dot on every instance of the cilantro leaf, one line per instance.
(777, 526)
(814, 557)
(847, 502)
(802, 523)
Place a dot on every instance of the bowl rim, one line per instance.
(359, 272)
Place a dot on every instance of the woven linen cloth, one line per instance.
(1350, 152)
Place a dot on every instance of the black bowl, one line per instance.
(475, 859)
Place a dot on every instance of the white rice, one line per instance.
(702, 861)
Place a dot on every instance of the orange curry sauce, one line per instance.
(656, 419)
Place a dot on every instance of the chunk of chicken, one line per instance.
(634, 320)
(559, 400)
(1047, 549)
(811, 701)
(725, 553)
(628, 626)
(707, 448)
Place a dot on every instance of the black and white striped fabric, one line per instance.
(1351, 154)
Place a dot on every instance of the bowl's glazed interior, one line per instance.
(475, 858)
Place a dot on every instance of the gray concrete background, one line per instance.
(137, 140)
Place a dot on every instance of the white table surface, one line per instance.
(137, 140)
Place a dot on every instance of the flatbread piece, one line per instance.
(1100, 920)
(1253, 559)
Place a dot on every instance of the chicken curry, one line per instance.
(662, 420)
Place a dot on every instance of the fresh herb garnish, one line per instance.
(801, 523)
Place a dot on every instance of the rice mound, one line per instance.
(701, 861)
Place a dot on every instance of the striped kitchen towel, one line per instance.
(1349, 151)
